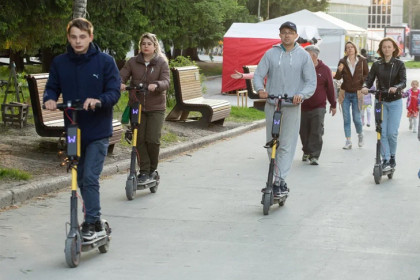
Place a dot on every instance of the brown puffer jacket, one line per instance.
(157, 72)
(352, 83)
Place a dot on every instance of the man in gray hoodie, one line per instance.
(289, 70)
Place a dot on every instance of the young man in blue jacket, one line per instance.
(85, 73)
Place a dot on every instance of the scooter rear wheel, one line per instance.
(390, 175)
(266, 200)
(377, 174)
(105, 248)
(131, 187)
(154, 189)
(72, 250)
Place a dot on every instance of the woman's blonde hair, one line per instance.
(396, 51)
(354, 46)
(152, 37)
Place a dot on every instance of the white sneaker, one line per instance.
(361, 140)
(347, 146)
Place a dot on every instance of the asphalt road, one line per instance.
(206, 221)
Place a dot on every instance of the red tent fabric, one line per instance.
(245, 44)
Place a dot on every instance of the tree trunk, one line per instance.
(47, 57)
(17, 58)
(192, 53)
(79, 8)
(177, 52)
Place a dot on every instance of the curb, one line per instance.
(25, 192)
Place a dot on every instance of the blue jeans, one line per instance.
(350, 99)
(391, 115)
(89, 169)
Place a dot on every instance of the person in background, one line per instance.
(353, 69)
(367, 105)
(412, 105)
(313, 109)
(390, 75)
(149, 67)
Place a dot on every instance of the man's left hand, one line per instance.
(297, 99)
(333, 111)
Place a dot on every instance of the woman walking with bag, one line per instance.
(353, 69)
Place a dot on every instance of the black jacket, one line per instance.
(391, 74)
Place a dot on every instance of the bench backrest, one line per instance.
(187, 83)
(36, 84)
(249, 84)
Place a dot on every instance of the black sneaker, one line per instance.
(153, 175)
(88, 231)
(276, 190)
(142, 178)
(385, 165)
(99, 228)
(283, 188)
(392, 162)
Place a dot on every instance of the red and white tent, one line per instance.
(246, 43)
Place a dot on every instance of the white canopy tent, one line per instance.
(246, 43)
(332, 30)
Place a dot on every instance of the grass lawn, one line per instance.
(210, 68)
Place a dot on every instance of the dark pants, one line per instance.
(89, 169)
(148, 141)
(311, 131)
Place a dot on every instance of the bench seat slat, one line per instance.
(51, 123)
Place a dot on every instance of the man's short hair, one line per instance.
(313, 49)
(290, 25)
(81, 23)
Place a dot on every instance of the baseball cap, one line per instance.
(290, 25)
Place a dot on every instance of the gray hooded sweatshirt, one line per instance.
(288, 73)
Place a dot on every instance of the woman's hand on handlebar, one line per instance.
(393, 90)
(122, 87)
(50, 105)
(90, 103)
(152, 87)
(365, 91)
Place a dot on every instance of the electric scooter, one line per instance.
(132, 184)
(268, 197)
(377, 169)
(74, 243)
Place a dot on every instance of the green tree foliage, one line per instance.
(279, 8)
(116, 24)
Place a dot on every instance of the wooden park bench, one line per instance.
(258, 103)
(51, 123)
(189, 97)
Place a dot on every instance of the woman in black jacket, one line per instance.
(391, 77)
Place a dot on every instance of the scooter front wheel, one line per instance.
(72, 250)
(266, 200)
(377, 174)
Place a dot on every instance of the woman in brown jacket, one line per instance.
(149, 67)
(353, 69)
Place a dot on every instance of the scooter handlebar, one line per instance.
(76, 105)
(139, 87)
(284, 98)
